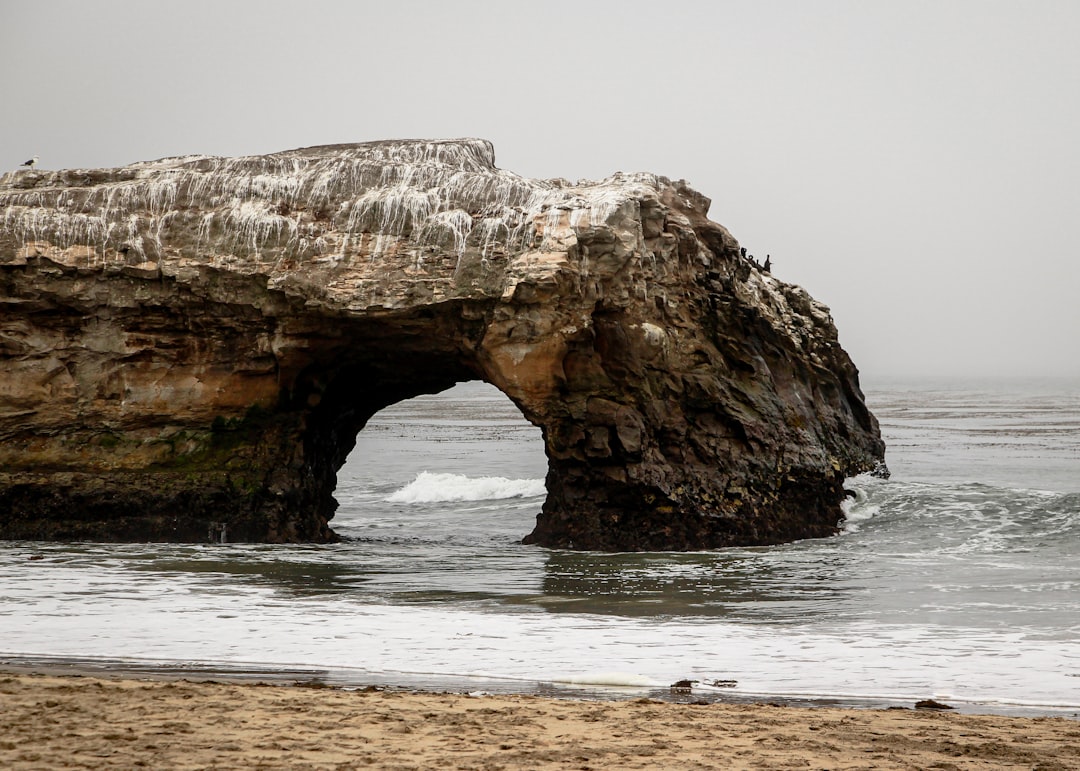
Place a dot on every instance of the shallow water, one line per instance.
(956, 579)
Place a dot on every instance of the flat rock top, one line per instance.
(321, 221)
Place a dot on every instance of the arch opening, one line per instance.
(461, 463)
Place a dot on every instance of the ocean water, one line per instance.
(957, 579)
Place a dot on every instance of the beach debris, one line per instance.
(685, 686)
(722, 683)
(931, 704)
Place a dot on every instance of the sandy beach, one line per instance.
(51, 722)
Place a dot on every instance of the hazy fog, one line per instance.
(915, 165)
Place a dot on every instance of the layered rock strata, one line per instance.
(189, 347)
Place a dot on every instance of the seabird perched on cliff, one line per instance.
(30, 163)
(767, 267)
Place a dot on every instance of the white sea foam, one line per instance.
(432, 488)
(858, 509)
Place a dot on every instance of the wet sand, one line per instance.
(51, 722)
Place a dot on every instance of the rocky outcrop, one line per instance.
(189, 347)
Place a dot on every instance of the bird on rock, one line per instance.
(31, 163)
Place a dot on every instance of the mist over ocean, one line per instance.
(957, 579)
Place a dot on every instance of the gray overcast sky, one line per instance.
(915, 165)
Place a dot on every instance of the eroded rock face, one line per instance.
(189, 347)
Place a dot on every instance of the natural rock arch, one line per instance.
(190, 347)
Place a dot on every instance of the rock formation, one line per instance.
(188, 347)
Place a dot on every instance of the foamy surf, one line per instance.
(431, 487)
(858, 509)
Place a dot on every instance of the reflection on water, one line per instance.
(736, 583)
(291, 578)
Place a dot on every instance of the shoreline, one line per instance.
(79, 721)
(345, 679)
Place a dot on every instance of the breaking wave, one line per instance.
(434, 488)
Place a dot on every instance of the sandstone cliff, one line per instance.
(189, 347)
